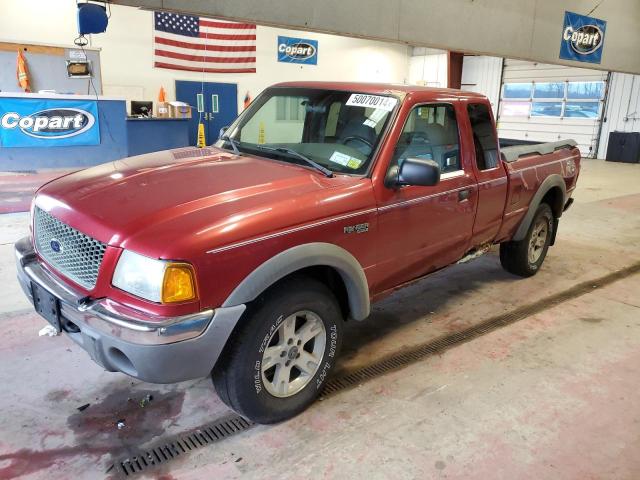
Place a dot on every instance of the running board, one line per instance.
(475, 253)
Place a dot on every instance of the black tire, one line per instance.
(238, 376)
(515, 256)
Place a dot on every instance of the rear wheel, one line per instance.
(279, 360)
(525, 257)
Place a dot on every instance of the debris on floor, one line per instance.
(146, 400)
(120, 424)
(83, 407)
(49, 331)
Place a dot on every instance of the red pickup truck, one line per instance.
(242, 260)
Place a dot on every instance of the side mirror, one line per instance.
(223, 130)
(414, 171)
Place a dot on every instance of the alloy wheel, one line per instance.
(293, 354)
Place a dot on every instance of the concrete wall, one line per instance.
(127, 63)
(525, 29)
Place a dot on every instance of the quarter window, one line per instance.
(484, 136)
(431, 132)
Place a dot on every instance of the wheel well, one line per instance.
(328, 276)
(554, 199)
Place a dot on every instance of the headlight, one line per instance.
(155, 280)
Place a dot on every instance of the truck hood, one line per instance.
(150, 202)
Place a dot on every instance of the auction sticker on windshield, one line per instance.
(345, 160)
(372, 101)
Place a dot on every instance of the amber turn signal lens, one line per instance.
(178, 284)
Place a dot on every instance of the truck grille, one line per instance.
(72, 253)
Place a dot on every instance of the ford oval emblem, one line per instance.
(55, 245)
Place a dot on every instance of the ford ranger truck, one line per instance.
(242, 260)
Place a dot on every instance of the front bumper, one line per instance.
(120, 338)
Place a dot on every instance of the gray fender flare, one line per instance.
(550, 182)
(302, 256)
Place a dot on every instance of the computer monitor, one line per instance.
(141, 109)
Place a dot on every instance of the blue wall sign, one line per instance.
(582, 38)
(30, 122)
(297, 50)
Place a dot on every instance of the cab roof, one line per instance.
(381, 88)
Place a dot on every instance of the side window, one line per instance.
(484, 136)
(431, 132)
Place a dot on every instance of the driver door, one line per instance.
(421, 228)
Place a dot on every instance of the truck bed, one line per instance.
(514, 151)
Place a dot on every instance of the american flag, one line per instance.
(187, 42)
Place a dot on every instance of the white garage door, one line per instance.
(545, 103)
(481, 74)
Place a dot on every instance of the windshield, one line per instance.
(336, 129)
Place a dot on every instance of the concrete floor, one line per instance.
(551, 396)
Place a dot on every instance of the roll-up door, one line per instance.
(546, 103)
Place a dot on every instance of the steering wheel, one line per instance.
(357, 139)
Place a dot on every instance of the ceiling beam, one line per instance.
(522, 29)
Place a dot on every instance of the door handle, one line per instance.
(463, 195)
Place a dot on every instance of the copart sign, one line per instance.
(26, 122)
(297, 50)
(582, 38)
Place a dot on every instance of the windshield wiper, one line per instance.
(234, 146)
(307, 160)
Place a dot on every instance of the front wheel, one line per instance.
(525, 257)
(280, 358)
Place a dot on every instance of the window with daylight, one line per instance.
(585, 90)
(553, 99)
(582, 109)
(515, 109)
(548, 90)
(546, 109)
(517, 90)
